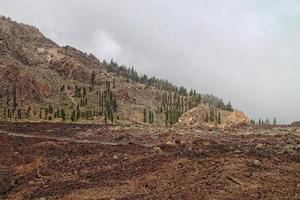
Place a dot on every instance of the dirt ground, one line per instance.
(64, 161)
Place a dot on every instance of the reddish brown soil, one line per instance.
(60, 161)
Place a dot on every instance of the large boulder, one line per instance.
(200, 117)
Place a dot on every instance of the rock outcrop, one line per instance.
(26, 86)
(200, 117)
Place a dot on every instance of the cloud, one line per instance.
(104, 46)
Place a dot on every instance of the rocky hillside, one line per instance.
(41, 81)
(35, 73)
(206, 116)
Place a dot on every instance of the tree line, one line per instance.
(174, 105)
(131, 74)
(264, 122)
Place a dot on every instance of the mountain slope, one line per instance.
(40, 80)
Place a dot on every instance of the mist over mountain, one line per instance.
(42, 81)
(246, 52)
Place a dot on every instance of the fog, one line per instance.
(246, 52)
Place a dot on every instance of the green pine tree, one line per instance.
(219, 117)
(145, 115)
(274, 121)
(167, 117)
(114, 82)
(73, 115)
(84, 92)
(62, 114)
(93, 76)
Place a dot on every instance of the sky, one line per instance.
(246, 52)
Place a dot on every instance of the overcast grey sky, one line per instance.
(245, 51)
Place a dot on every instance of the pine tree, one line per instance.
(78, 114)
(115, 105)
(171, 116)
(28, 112)
(46, 113)
(211, 114)
(4, 113)
(19, 113)
(50, 108)
(79, 92)
(114, 82)
(73, 116)
(104, 62)
(9, 113)
(267, 122)
(55, 115)
(102, 105)
(152, 117)
(76, 91)
(87, 114)
(41, 112)
(145, 115)
(112, 118)
(150, 113)
(7, 99)
(167, 117)
(105, 117)
(84, 92)
(14, 98)
(62, 114)
(206, 117)
(93, 76)
(274, 121)
(229, 107)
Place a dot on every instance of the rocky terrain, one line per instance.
(75, 127)
(61, 161)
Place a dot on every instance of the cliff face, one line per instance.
(27, 87)
(26, 57)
